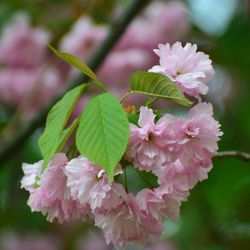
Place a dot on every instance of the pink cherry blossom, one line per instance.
(150, 201)
(191, 70)
(152, 145)
(202, 133)
(89, 184)
(31, 172)
(127, 223)
(142, 149)
(166, 199)
(181, 149)
(174, 189)
(52, 197)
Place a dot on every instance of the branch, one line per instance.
(117, 28)
(236, 154)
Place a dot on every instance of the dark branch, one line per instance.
(117, 29)
(236, 154)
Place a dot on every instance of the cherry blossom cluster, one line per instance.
(177, 150)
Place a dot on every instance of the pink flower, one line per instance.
(142, 149)
(52, 197)
(185, 66)
(89, 184)
(174, 189)
(150, 201)
(181, 152)
(152, 144)
(128, 223)
(22, 45)
(166, 199)
(31, 174)
(201, 133)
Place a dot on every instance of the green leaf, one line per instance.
(133, 118)
(76, 62)
(103, 132)
(65, 134)
(158, 85)
(57, 118)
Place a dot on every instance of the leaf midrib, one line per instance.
(104, 130)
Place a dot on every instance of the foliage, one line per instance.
(155, 84)
(103, 132)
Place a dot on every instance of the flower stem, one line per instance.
(150, 102)
(125, 179)
(125, 96)
(73, 151)
(100, 85)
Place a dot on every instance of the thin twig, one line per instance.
(125, 179)
(151, 101)
(7, 148)
(122, 99)
(235, 154)
(100, 85)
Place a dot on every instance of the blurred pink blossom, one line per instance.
(83, 38)
(22, 45)
(38, 85)
(11, 241)
(25, 76)
(119, 65)
(94, 241)
(159, 22)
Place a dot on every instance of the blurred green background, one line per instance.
(216, 216)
